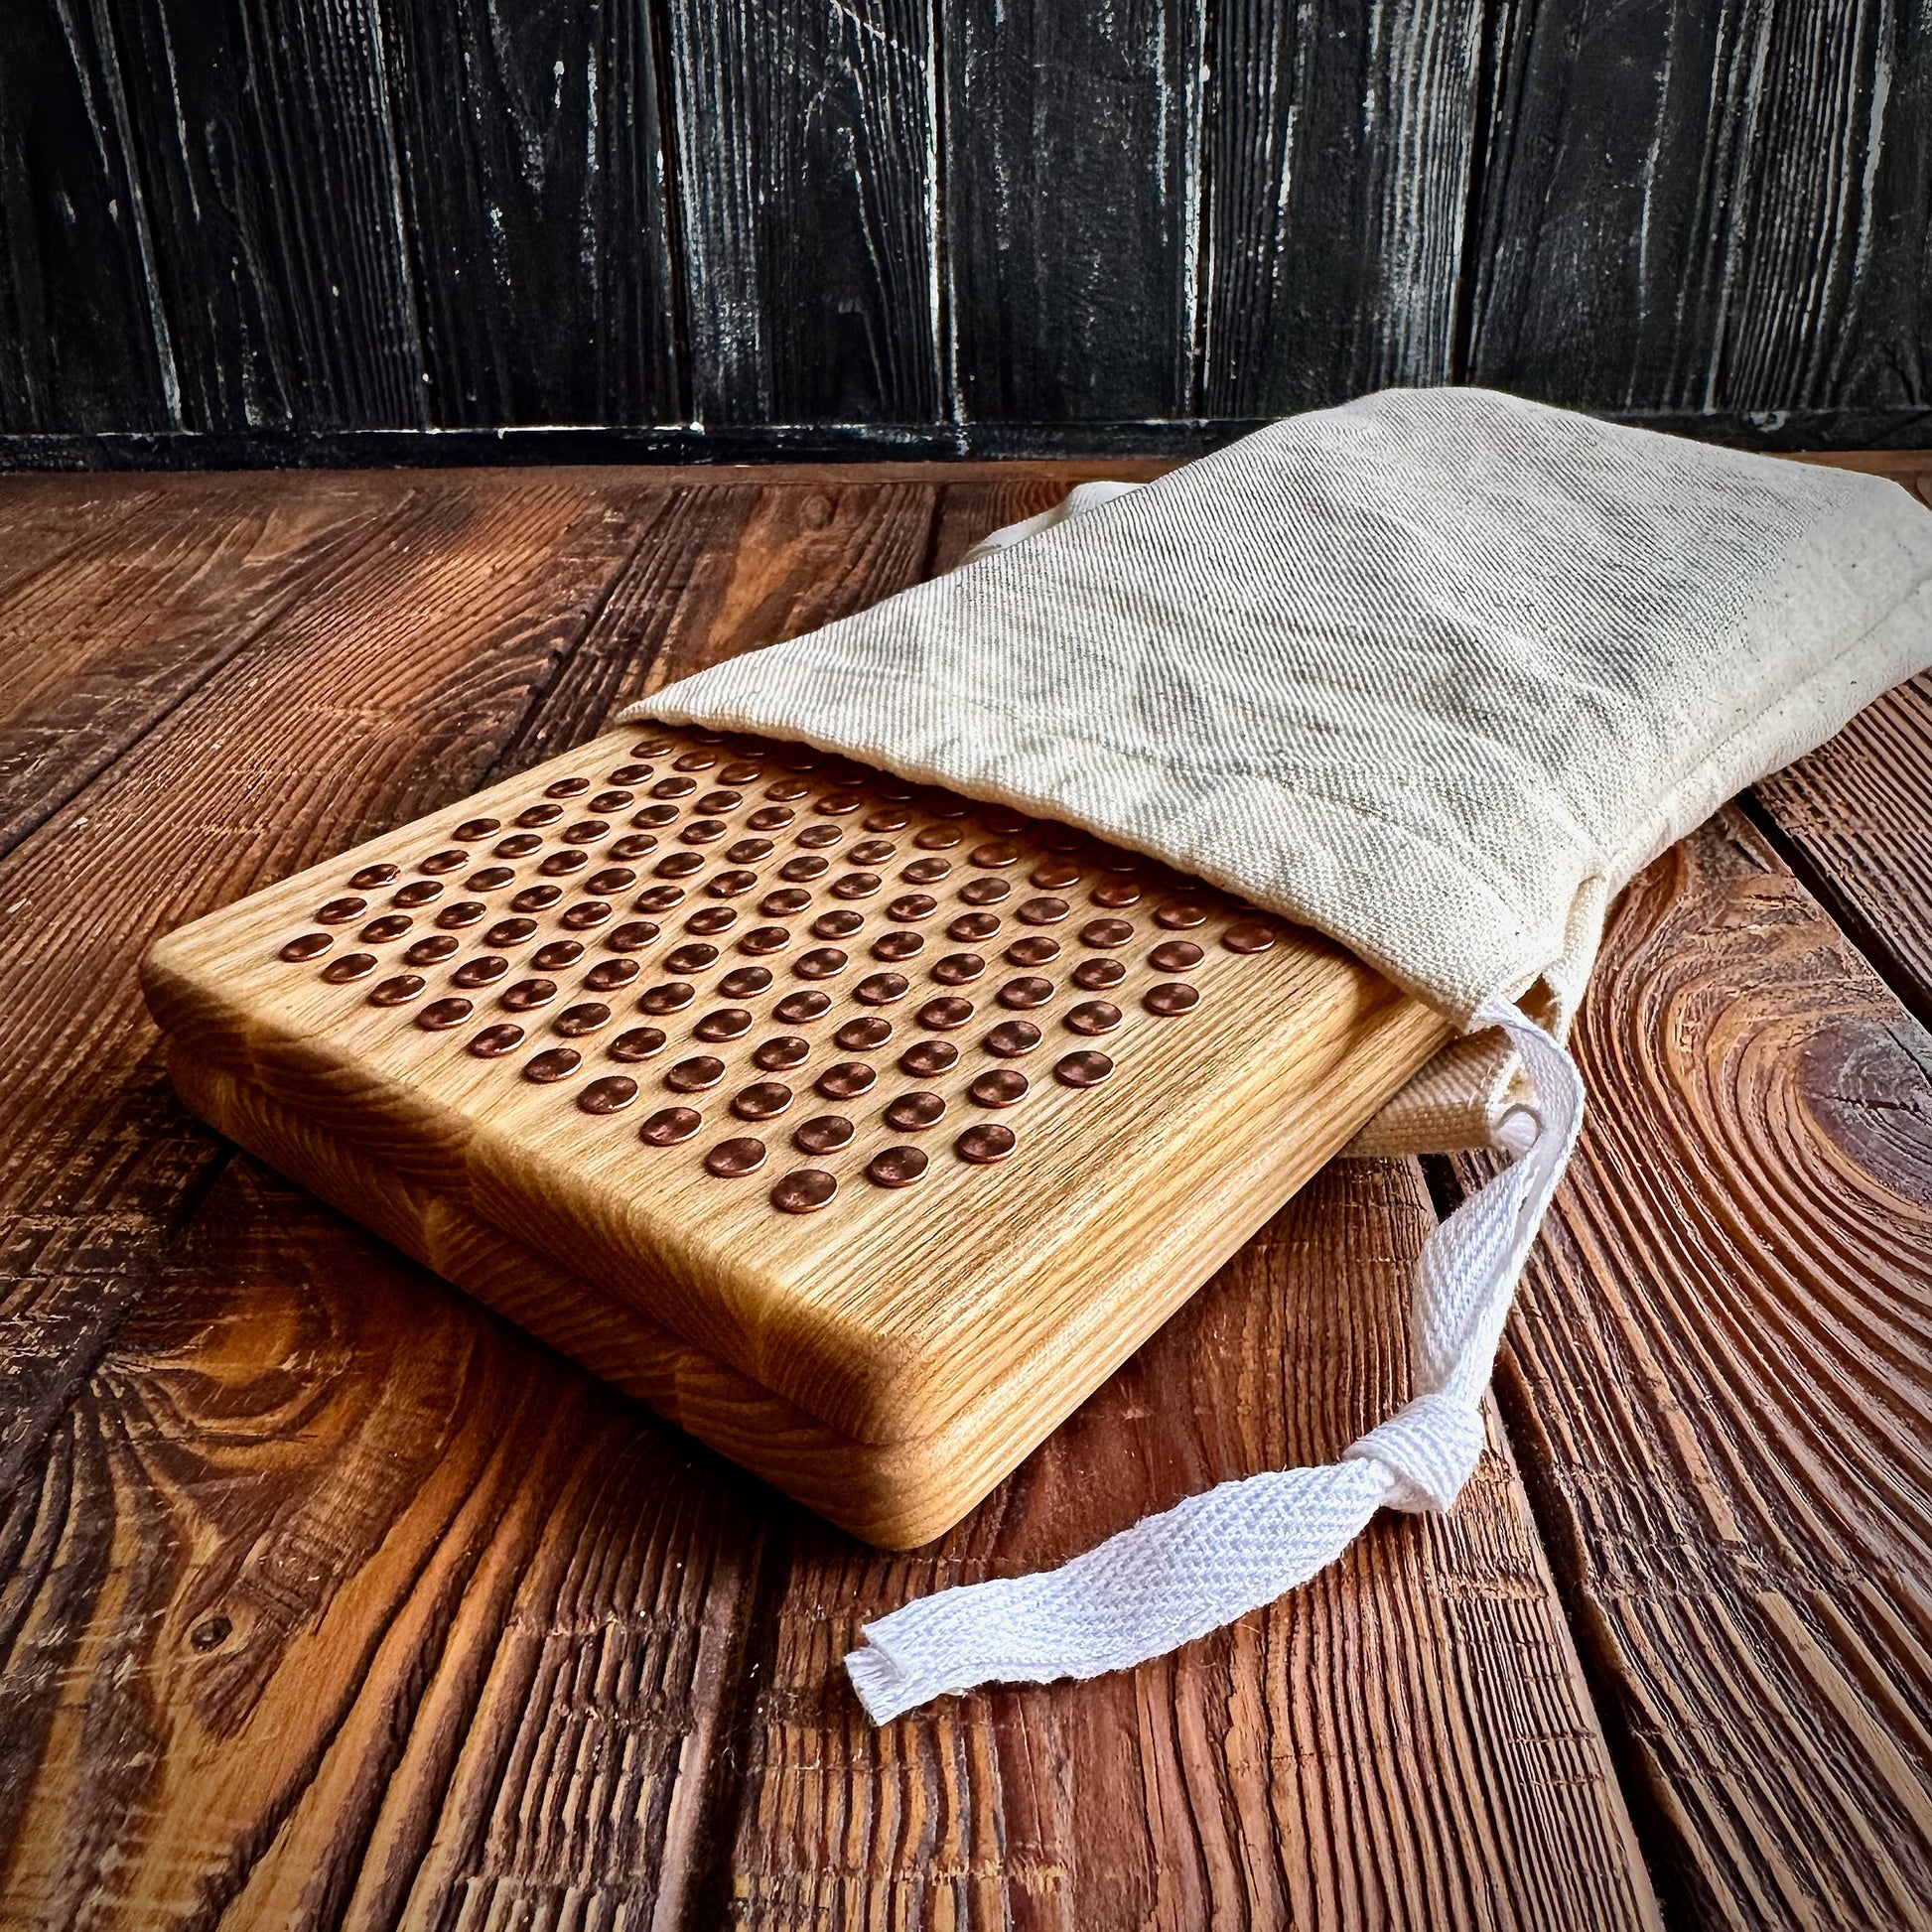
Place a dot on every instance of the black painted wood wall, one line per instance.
(368, 229)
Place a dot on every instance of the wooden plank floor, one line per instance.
(327, 1598)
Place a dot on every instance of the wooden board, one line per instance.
(1128, 1067)
(896, 1495)
(1720, 1386)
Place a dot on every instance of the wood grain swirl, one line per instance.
(1721, 1380)
(325, 1576)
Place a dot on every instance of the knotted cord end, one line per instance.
(1431, 1446)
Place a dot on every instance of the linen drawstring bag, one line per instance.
(1435, 673)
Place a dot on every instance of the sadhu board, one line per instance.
(859, 1129)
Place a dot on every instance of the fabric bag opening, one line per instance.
(1435, 673)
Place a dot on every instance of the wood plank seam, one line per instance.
(1857, 932)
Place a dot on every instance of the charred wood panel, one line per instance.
(534, 197)
(266, 174)
(807, 186)
(263, 229)
(1697, 207)
(1338, 174)
(1072, 151)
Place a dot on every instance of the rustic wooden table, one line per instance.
(328, 1599)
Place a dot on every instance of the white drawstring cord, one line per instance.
(1242, 1544)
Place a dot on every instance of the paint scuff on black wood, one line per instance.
(736, 229)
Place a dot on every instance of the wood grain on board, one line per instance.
(897, 1318)
(1719, 1382)
(1405, 1742)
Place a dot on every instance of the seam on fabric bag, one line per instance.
(1661, 830)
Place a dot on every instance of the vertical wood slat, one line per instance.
(1336, 171)
(1072, 184)
(84, 338)
(359, 217)
(268, 154)
(1690, 206)
(532, 186)
(807, 173)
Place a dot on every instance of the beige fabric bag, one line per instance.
(1436, 672)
